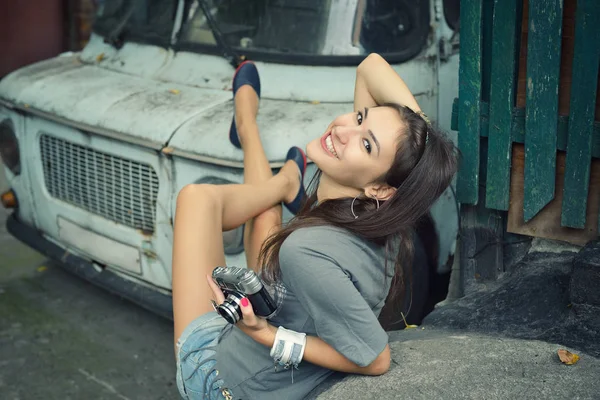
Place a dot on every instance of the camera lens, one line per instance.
(230, 308)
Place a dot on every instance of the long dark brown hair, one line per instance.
(421, 172)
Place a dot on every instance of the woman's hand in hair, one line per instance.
(377, 83)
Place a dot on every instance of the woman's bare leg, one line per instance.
(256, 170)
(203, 213)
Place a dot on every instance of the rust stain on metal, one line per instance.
(145, 233)
(150, 254)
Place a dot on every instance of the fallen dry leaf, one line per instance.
(174, 91)
(566, 357)
(407, 326)
(100, 57)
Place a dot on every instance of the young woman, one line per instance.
(330, 269)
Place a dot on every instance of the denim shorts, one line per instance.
(197, 377)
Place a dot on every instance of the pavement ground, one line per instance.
(437, 364)
(63, 338)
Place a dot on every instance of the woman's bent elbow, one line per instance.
(381, 365)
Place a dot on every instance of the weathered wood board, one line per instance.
(546, 223)
(507, 21)
(469, 94)
(551, 227)
(541, 111)
(583, 93)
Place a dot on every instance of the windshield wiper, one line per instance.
(228, 53)
(115, 36)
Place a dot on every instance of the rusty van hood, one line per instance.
(182, 120)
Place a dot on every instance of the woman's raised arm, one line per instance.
(377, 83)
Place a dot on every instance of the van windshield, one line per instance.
(309, 31)
(146, 21)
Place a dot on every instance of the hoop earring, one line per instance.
(352, 206)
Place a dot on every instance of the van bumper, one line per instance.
(144, 296)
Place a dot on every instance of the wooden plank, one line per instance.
(506, 27)
(567, 51)
(518, 128)
(543, 68)
(469, 94)
(547, 223)
(487, 18)
(582, 110)
(566, 56)
(518, 131)
(454, 118)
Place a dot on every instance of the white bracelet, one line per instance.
(288, 348)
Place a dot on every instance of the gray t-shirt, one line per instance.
(333, 285)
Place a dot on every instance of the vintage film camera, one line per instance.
(237, 283)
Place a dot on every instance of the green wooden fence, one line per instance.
(486, 106)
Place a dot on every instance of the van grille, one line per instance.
(115, 188)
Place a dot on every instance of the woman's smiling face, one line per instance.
(358, 148)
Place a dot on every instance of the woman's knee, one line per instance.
(198, 194)
(267, 220)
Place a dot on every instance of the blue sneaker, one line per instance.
(297, 155)
(245, 74)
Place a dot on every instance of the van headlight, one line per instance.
(9, 147)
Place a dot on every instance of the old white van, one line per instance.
(97, 144)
